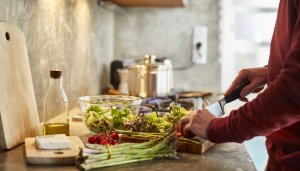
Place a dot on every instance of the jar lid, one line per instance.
(55, 73)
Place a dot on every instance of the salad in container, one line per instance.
(106, 112)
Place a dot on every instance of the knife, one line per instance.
(217, 108)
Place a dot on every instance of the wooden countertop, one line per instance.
(227, 156)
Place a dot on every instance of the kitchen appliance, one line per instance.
(115, 66)
(150, 78)
(123, 86)
(217, 108)
(18, 110)
(197, 100)
(169, 63)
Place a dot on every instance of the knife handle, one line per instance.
(236, 93)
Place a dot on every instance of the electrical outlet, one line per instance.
(199, 48)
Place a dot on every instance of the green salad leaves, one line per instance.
(120, 116)
(102, 119)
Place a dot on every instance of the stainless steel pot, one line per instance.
(150, 78)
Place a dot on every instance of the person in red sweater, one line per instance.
(275, 113)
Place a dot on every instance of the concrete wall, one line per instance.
(168, 32)
(75, 34)
(82, 38)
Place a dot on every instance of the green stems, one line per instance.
(95, 156)
(155, 135)
(137, 133)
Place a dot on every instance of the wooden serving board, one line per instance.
(48, 157)
(184, 147)
(18, 110)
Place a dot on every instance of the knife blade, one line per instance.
(217, 108)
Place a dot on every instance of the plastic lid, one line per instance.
(55, 73)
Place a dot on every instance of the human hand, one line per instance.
(195, 123)
(257, 77)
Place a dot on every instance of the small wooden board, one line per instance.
(48, 157)
(184, 147)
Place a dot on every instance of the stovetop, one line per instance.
(162, 105)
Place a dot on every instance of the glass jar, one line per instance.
(56, 111)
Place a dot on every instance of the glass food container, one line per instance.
(106, 103)
(56, 112)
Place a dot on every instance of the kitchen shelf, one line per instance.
(149, 3)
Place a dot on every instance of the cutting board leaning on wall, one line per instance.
(18, 111)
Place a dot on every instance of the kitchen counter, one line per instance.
(227, 156)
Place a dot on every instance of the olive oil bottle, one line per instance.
(56, 111)
(57, 128)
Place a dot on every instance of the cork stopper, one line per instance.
(55, 73)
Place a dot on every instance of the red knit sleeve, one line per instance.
(277, 107)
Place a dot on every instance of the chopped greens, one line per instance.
(118, 117)
(102, 119)
(155, 124)
(176, 114)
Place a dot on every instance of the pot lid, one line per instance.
(149, 63)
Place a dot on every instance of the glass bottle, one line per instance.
(56, 112)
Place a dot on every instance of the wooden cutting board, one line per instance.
(18, 111)
(184, 147)
(48, 157)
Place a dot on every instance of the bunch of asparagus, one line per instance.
(96, 156)
(154, 135)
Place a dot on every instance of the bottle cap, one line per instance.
(55, 73)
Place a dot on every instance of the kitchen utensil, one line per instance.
(107, 102)
(195, 94)
(114, 76)
(183, 147)
(150, 78)
(217, 108)
(168, 62)
(51, 157)
(200, 99)
(113, 92)
(123, 87)
(18, 110)
(115, 66)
